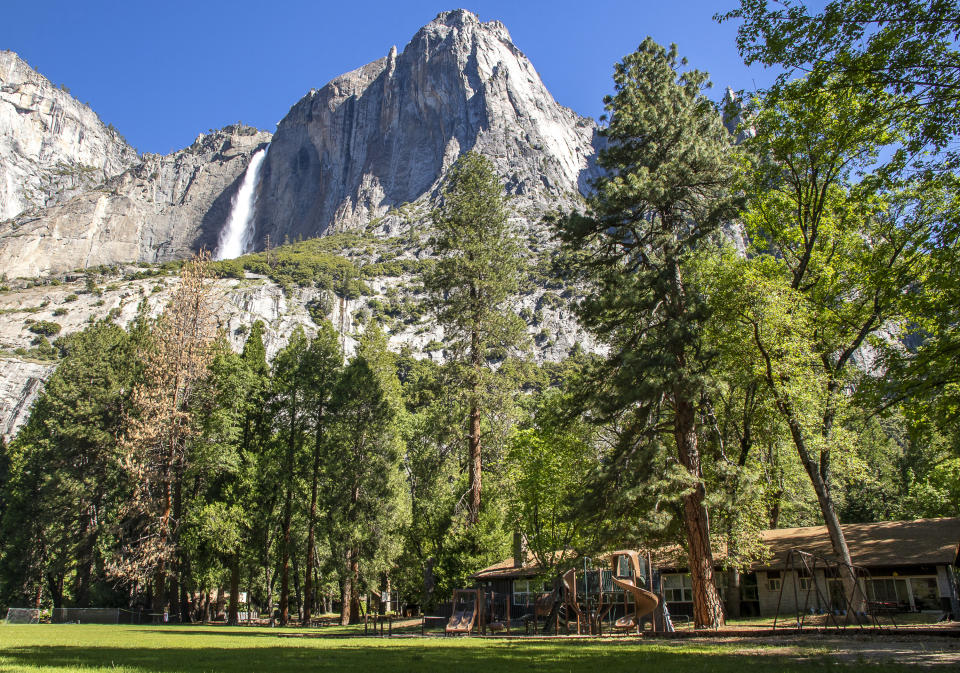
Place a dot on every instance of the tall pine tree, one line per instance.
(665, 195)
(475, 277)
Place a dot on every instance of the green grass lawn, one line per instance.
(163, 649)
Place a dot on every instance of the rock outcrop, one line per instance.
(164, 207)
(385, 134)
(51, 146)
(20, 383)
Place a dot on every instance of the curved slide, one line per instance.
(464, 615)
(644, 602)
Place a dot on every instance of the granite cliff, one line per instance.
(369, 142)
(385, 134)
(52, 146)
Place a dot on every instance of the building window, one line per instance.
(523, 593)
(805, 583)
(623, 566)
(677, 588)
(773, 584)
(926, 596)
(888, 590)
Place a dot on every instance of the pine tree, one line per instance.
(290, 389)
(68, 481)
(361, 463)
(470, 288)
(322, 364)
(157, 438)
(664, 197)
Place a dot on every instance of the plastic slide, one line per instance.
(464, 612)
(644, 602)
(570, 599)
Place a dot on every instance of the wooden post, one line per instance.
(653, 615)
(482, 600)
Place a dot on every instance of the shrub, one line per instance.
(45, 327)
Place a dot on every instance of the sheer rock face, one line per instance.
(385, 134)
(75, 195)
(20, 383)
(52, 146)
(163, 207)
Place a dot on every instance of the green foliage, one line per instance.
(544, 467)
(313, 262)
(477, 271)
(903, 56)
(45, 327)
(66, 482)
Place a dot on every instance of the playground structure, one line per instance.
(843, 602)
(467, 610)
(608, 596)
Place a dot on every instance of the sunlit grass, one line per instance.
(164, 649)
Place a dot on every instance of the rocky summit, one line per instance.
(385, 134)
(85, 221)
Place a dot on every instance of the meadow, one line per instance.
(69, 648)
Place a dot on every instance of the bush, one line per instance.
(70, 297)
(60, 311)
(45, 327)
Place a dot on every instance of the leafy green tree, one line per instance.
(668, 190)
(65, 484)
(545, 464)
(901, 57)
(470, 288)
(836, 249)
(903, 52)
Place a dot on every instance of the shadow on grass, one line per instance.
(368, 655)
(233, 631)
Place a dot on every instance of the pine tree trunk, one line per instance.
(287, 516)
(233, 612)
(308, 589)
(476, 467)
(346, 590)
(707, 608)
(355, 583)
(160, 588)
(475, 459)
(88, 541)
(296, 586)
(285, 563)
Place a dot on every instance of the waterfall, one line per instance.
(237, 233)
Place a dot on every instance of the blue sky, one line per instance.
(162, 72)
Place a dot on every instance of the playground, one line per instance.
(614, 596)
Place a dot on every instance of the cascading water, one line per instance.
(237, 233)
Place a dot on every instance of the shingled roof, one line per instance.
(884, 544)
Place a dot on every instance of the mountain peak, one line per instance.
(464, 21)
(386, 133)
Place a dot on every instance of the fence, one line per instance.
(23, 616)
